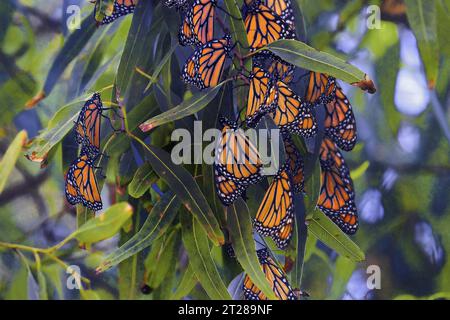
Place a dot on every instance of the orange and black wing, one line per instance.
(237, 159)
(290, 112)
(274, 275)
(81, 178)
(337, 196)
(88, 124)
(260, 82)
(283, 8)
(202, 20)
(121, 8)
(340, 124)
(227, 190)
(185, 35)
(205, 66)
(296, 164)
(275, 66)
(277, 206)
(320, 89)
(263, 26)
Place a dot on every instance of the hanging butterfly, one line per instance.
(320, 89)
(296, 164)
(205, 66)
(275, 66)
(88, 124)
(263, 26)
(121, 8)
(340, 124)
(237, 164)
(277, 207)
(198, 23)
(289, 112)
(260, 83)
(337, 196)
(276, 277)
(81, 184)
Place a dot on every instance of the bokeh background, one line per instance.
(400, 166)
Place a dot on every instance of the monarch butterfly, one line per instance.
(296, 164)
(277, 207)
(289, 112)
(275, 66)
(340, 124)
(283, 8)
(337, 197)
(88, 124)
(121, 8)
(81, 184)
(276, 277)
(205, 66)
(321, 88)
(260, 83)
(264, 26)
(198, 23)
(237, 163)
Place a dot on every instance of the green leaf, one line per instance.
(188, 107)
(105, 225)
(187, 283)
(196, 243)
(186, 188)
(359, 172)
(304, 56)
(57, 128)
(157, 266)
(422, 18)
(143, 179)
(312, 188)
(342, 272)
(10, 157)
(71, 49)
(156, 224)
(330, 234)
(240, 228)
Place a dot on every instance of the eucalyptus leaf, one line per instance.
(10, 157)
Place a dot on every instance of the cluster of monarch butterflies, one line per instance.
(238, 165)
(81, 184)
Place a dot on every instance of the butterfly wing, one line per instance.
(89, 123)
(121, 8)
(202, 20)
(86, 183)
(340, 124)
(277, 205)
(263, 27)
(337, 197)
(290, 113)
(237, 159)
(320, 89)
(296, 164)
(274, 275)
(257, 96)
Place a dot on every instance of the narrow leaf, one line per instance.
(143, 178)
(10, 158)
(196, 243)
(304, 56)
(186, 188)
(422, 18)
(105, 225)
(330, 234)
(192, 105)
(240, 228)
(72, 47)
